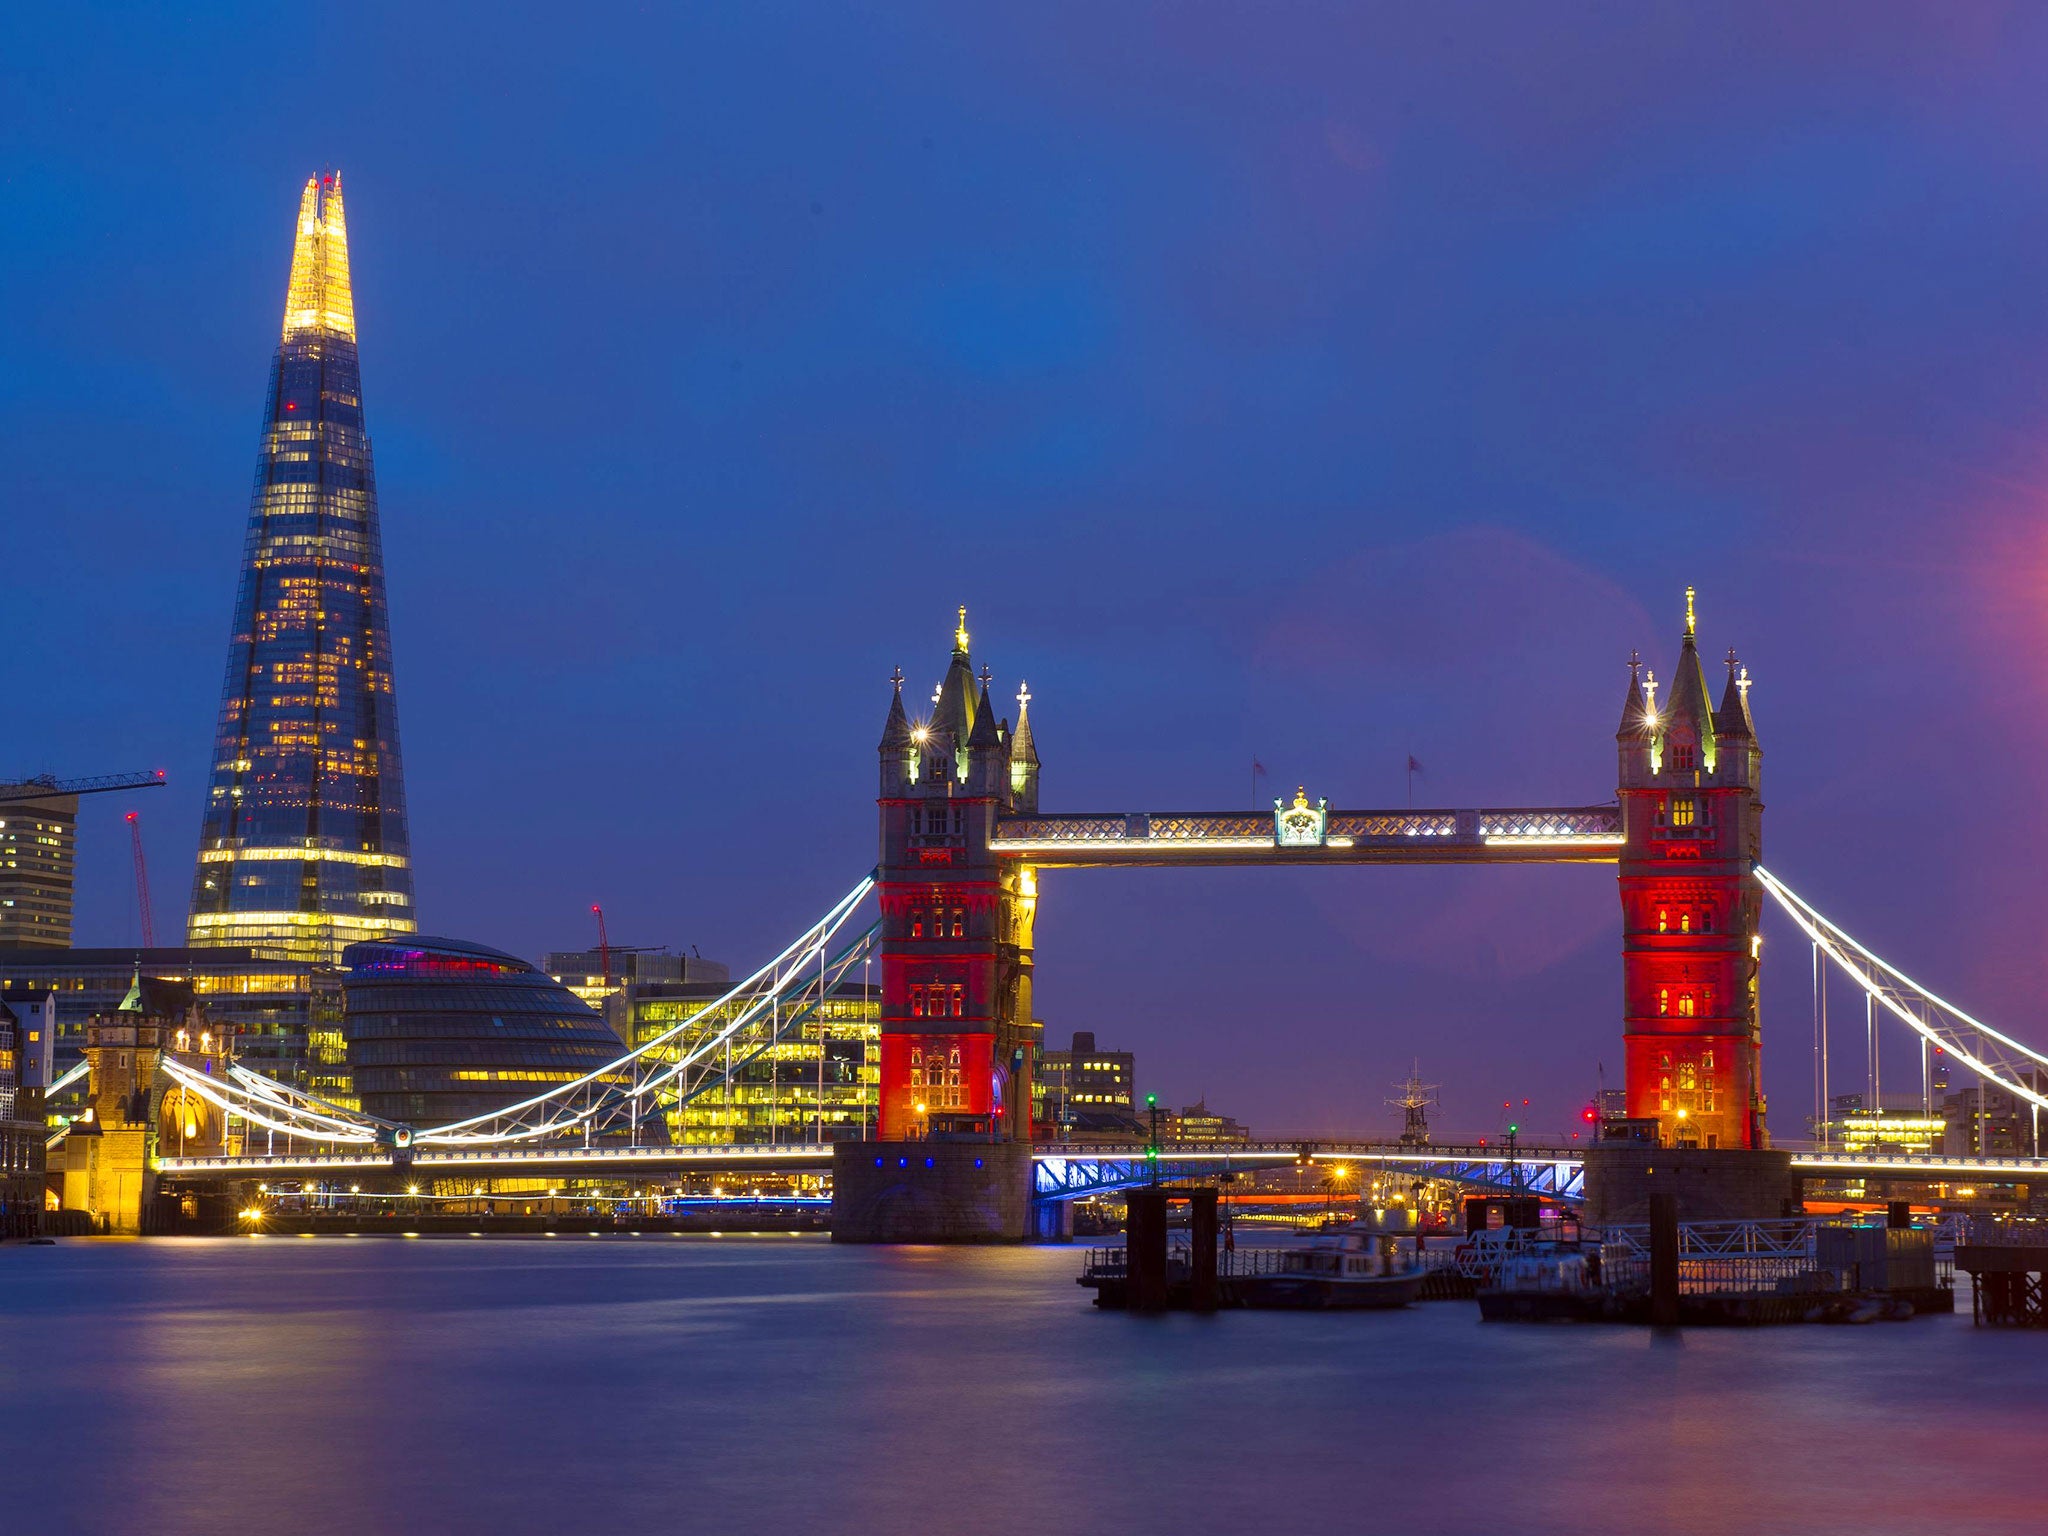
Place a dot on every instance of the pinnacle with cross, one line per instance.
(1635, 666)
(896, 677)
(1023, 696)
(987, 677)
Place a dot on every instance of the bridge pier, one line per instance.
(1723, 1184)
(931, 1191)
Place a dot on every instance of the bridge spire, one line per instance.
(1733, 717)
(953, 710)
(1688, 722)
(1634, 707)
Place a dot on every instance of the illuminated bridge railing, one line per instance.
(1311, 834)
(1073, 1171)
(509, 1160)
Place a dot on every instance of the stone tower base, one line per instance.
(931, 1191)
(1711, 1185)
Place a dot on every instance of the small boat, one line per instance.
(1545, 1281)
(1369, 1263)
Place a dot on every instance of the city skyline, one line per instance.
(1426, 514)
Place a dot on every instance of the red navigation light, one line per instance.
(1589, 1114)
(1482, 1141)
(130, 816)
(291, 405)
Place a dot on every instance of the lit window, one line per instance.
(1687, 1006)
(1685, 922)
(1664, 1006)
(1684, 810)
(1663, 920)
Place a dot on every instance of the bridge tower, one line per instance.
(1692, 825)
(131, 1117)
(955, 946)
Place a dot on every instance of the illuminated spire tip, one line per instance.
(1690, 629)
(320, 298)
(960, 634)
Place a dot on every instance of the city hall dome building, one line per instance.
(439, 1030)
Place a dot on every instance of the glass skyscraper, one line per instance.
(304, 849)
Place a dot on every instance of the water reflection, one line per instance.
(762, 1384)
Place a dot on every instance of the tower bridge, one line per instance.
(963, 847)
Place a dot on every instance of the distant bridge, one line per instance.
(1067, 1171)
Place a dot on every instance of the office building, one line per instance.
(1085, 1093)
(818, 1084)
(594, 975)
(38, 860)
(1199, 1123)
(21, 1136)
(303, 848)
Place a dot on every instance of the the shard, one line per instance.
(304, 849)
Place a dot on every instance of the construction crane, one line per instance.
(43, 786)
(604, 945)
(142, 883)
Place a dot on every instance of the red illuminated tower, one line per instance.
(955, 945)
(1692, 819)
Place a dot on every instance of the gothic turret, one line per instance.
(898, 748)
(987, 762)
(1023, 759)
(1733, 717)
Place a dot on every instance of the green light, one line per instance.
(1514, 1130)
(1151, 1099)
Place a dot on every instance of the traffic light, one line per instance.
(1151, 1099)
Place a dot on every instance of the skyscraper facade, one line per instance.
(303, 850)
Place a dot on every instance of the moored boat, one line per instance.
(1370, 1263)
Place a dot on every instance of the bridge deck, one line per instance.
(1563, 835)
(1556, 1169)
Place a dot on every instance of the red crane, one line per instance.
(604, 945)
(141, 883)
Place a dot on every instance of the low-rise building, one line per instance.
(1993, 1122)
(1199, 1123)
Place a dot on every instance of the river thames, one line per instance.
(746, 1384)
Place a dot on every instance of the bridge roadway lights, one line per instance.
(931, 1191)
(1710, 1184)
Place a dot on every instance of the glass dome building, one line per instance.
(440, 1029)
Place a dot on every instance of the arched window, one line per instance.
(1685, 922)
(1663, 999)
(1686, 1005)
(1663, 920)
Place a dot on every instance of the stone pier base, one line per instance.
(931, 1192)
(1710, 1185)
